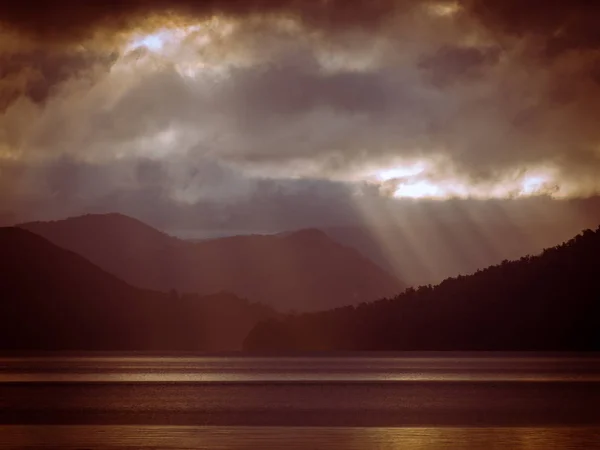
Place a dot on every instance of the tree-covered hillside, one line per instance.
(546, 302)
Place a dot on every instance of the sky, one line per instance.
(268, 115)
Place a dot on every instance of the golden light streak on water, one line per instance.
(359, 438)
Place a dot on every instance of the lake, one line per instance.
(355, 401)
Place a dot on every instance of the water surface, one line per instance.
(359, 401)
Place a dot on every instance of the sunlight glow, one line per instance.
(400, 171)
(158, 145)
(152, 42)
(183, 48)
(532, 185)
(431, 180)
(157, 41)
(445, 9)
(419, 189)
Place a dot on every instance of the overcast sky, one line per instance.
(270, 115)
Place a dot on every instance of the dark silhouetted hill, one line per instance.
(121, 245)
(545, 302)
(53, 299)
(303, 270)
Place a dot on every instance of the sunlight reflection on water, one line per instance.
(297, 437)
(301, 369)
(284, 377)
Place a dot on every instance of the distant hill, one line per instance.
(54, 299)
(545, 302)
(303, 270)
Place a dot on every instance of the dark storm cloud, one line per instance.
(560, 25)
(451, 63)
(295, 90)
(37, 74)
(150, 173)
(564, 24)
(65, 20)
(484, 114)
(202, 195)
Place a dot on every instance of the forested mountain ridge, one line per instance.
(546, 302)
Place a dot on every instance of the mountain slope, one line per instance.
(547, 302)
(52, 298)
(429, 251)
(121, 245)
(304, 270)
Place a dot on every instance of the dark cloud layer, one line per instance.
(64, 20)
(450, 63)
(562, 24)
(284, 123)
(39, 73)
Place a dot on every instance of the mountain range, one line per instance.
(304, 270)
(53, 298)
